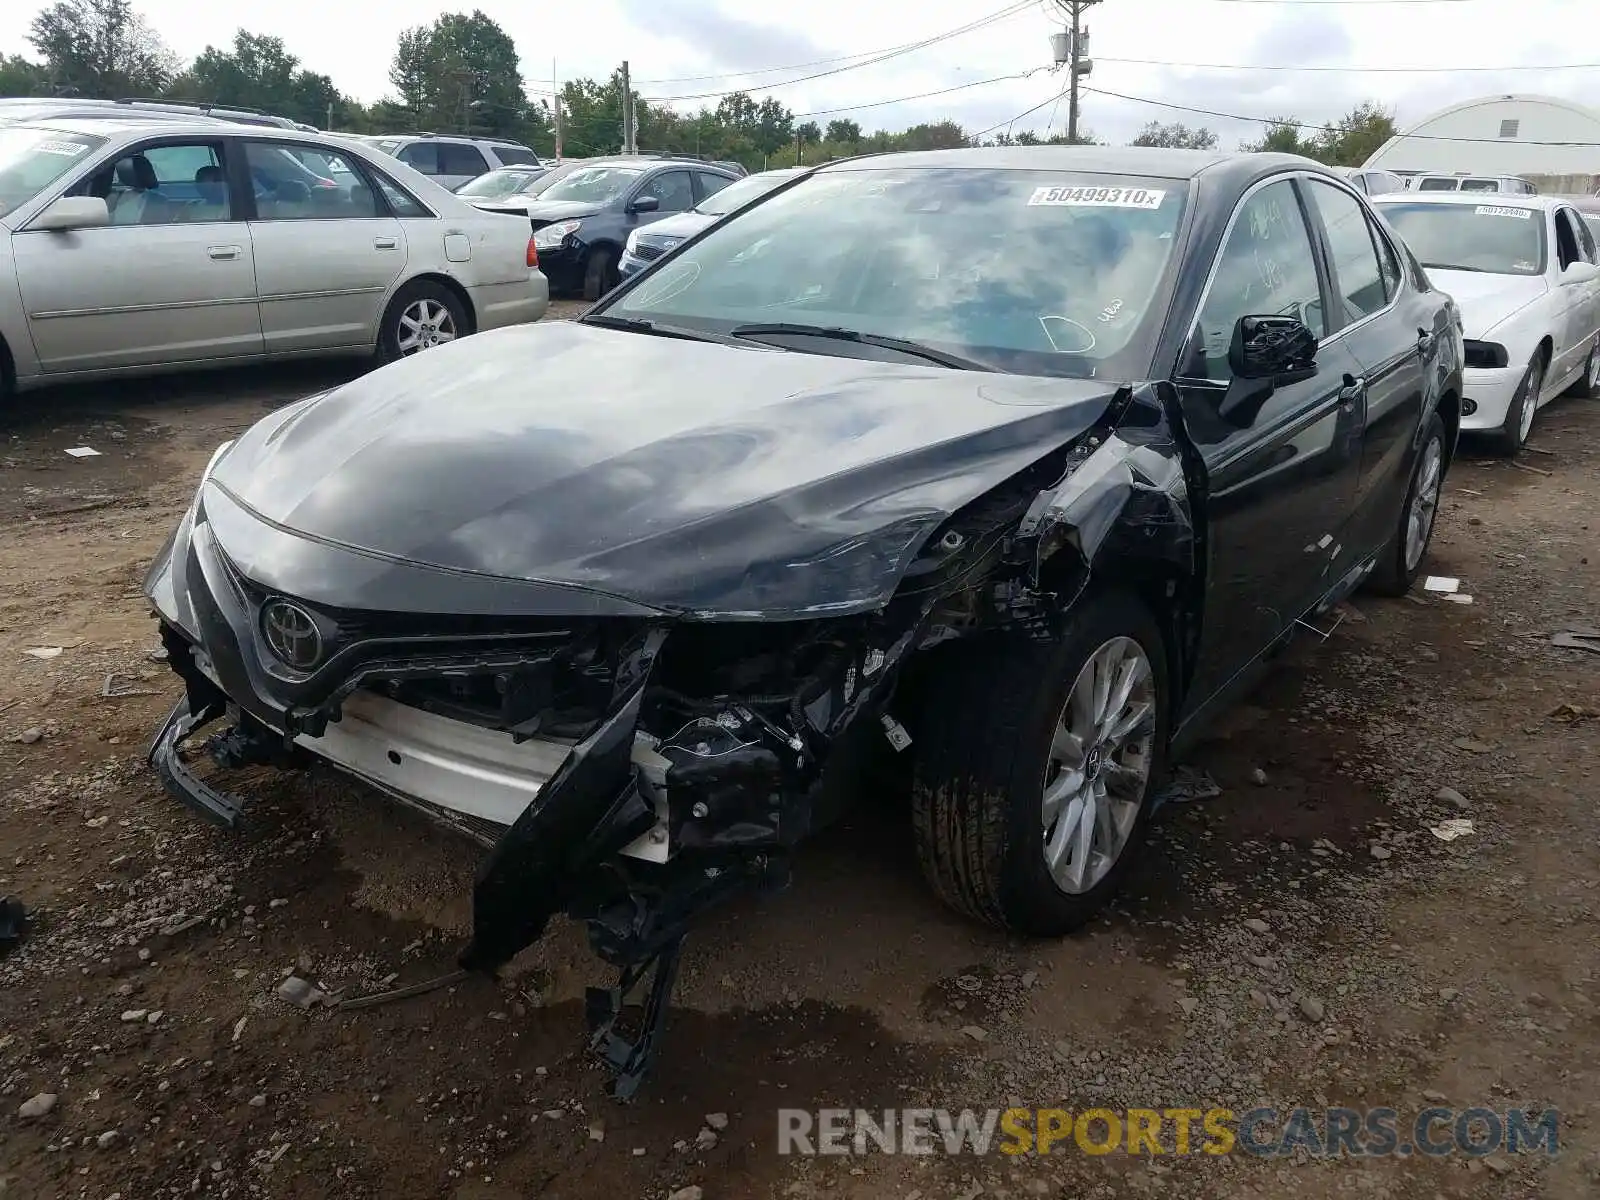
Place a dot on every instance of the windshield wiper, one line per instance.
(1453, 267)
(640, 325)
(839, 334)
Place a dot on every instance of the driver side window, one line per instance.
(1267, 268)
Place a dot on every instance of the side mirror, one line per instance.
(644, 204)
(1580, 272)
(1277, 349)
(73, 212)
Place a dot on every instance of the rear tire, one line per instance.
(1588, 385)
(600, 276)
(1401, 561)
(422, 314)
(1509, 439)
(992, 788)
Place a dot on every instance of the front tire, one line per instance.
(600, 275)
(1401, 561)
(423, 314)
(1033, 785)
(1509, 439)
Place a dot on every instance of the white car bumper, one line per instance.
(500, 304)
(1491, 390)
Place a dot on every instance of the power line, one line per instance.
(1056, 99)
(1156, 62)
(1000, 15)
(1286, 123)
(1008, 11)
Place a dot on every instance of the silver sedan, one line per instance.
(132, 247)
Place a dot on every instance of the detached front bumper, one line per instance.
(1491, 391)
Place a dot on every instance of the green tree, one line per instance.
(461, 74)
(1283, 135)
(776, 126)
(843, 133)
(938, 135)
(1175, 136)
(19, 77)
(1355, 136)
(102, 49)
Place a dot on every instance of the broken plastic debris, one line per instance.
(1578, 638)
(43, 651)
(1459, 598)
(84, 452)
(1449, 831)
(1441, 583)
(1188, 784)
(118, 685)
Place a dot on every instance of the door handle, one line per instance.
(1353, 390)
(223, 252)
(385, 243)
(1424, 341)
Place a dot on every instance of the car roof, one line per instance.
(1152, 161)
(1498, 199)
(129, 128)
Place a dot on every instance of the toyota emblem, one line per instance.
(291, 634)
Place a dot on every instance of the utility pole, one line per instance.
(1075, 58)
(629, 129)
(555, 82)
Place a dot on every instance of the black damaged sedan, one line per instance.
(996, 470)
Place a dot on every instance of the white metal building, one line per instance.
(1502, 135)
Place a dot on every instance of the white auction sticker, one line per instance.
(70, 149)
(1495, 210)
(1097, 197)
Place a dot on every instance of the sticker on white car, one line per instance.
(1091, 197)
(1495, 210)
(68, 149)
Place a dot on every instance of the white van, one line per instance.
(1510, 184)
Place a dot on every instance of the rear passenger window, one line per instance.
(710, 184)
(295, 182)
(457, 158)
(421, 156)
(1355, 260)
(516, 156)
(1437, 185)
(401, 202)
(1387, 262)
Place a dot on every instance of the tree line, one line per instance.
(462, 74)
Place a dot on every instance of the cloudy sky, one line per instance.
(1338, 52)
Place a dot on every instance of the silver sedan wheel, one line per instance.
(424, 323)
(1592, 374)
(1424, 502)
(1100, 760)
(1530, 402)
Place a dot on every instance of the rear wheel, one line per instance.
(422, 315)
(1513, 433)
(1588, 385)
(1401, 561)
(600, 276)
(1037, 767)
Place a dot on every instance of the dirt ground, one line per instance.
(1301, 939)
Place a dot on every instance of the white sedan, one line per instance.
(1524, 271)
(142, 245)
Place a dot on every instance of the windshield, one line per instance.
(736, 195)
(1498, 238)
(1028, 271)
(499, 183)
(594, 185)
(31, 159)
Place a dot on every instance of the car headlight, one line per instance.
(633, 243)
(551, 236)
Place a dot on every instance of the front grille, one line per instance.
(648, 252)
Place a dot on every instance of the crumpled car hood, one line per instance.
(699, 478)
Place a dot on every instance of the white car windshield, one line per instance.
(595, 185)
(1036, 272)
(31, 159)
(503, 182)
(736, 195)
(1500, 239)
